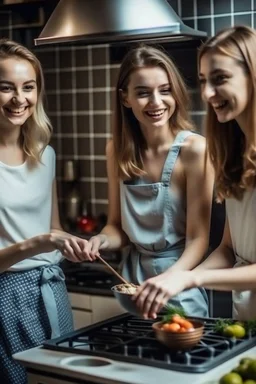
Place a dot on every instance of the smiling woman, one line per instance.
(34, 304)
(227, 73)
(160, 182)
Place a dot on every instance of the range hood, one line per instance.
(108, 21)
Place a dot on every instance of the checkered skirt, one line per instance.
(24, 322)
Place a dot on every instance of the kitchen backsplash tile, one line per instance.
(187, 9)
(99, 100)
(66, 80)
(245, 19)
(82, 101)
(205, 24)
(84, 147)
(47, 59)
(222, 6)
(66, 124)
(240, 6)
(222, 22)
(82, 78)
(203, 7)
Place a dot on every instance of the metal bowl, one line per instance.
(179, 341)
(125, 299)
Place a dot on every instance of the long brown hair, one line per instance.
(128, 139)
(233, 152)
(36, 131)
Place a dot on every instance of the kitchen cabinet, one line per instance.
(104, 307)
(89, 309)
(38, 379)
(81, 318)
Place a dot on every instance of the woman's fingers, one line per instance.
(159, 302)
(95, 245)
(147, 302)
(86, 254)
(69, 253)
(151, 297)
(76, 248)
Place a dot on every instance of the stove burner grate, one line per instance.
(130, 339)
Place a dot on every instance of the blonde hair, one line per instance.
(36, 131)
(232, 151)
(128, 139)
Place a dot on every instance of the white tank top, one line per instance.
(26, 205)
(242, 218)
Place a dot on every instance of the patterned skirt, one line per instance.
(34, 307)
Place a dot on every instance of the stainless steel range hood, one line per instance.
(107, 21)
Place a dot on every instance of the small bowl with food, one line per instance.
(123, 293)
(178, 332)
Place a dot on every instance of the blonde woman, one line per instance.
(227, 72)
(33, 299)
(160, 187)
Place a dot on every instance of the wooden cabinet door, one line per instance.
(81, 318)
(104, 307)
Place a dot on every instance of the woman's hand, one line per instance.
(94, 245)
(72, 247)
(155, 292)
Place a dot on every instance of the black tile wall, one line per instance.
(245, 5)
(203, 7)
(220, 7)
(79, 86)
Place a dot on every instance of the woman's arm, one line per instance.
(174, 281)
(23, 250)
(70, 246)
(221, 257)
(112, 236)
(238, 279)
(216, 271)
(113, 230)
(199, 192)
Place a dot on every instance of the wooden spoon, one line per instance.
(114, 271)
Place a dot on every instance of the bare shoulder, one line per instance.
(193, 149)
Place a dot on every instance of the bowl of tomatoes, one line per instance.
(178, 332)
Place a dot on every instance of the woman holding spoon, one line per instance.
(160, 184)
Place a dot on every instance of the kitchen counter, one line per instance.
(104, 371)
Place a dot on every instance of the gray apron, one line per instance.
(154, 218)
(34, 307)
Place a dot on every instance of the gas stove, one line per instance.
(119, 349)
(131, 339)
